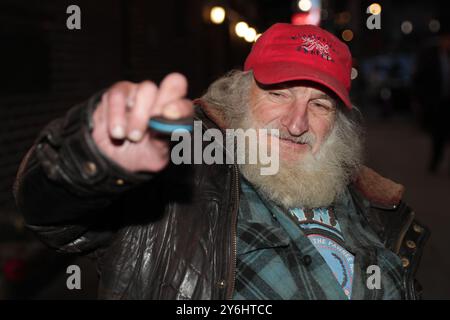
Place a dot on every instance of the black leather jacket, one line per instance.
(171, 235)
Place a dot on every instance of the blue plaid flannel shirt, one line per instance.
(275, 259)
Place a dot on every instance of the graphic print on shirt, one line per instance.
(323, 230)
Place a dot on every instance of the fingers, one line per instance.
(129, 106)
(173, 87)
(180, 108)
(141, 110)
(116, 104)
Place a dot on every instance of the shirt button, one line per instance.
(307, 260)
(120, 182)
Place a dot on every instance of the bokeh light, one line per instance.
(407, 27)
(217, 15)
(241, 29)
(305, 5)
(347, 35)
(375, 8)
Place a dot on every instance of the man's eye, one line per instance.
(276, 94)
(321, 105)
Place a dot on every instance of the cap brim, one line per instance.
(272, 73)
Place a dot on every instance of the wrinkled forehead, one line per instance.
(299, 85)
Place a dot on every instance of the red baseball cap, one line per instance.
(287, 52)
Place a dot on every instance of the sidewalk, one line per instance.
(399, 150)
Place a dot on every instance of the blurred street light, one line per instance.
(310, 12)
(305, 5)
(217, 15)
(407, 27)
(375, 8)
(241, 29)
(434, 25)
(347, 35)
(343, 18)
(250, 35)
(354, 74)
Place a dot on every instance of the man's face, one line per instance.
(303, 114)
(319, 146)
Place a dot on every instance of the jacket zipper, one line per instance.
(234, 235)
(234, 221)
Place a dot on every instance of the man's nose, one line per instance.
(296, 118)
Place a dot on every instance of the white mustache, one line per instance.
(306, 138)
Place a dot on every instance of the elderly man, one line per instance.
(99, 182)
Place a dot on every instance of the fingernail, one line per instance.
(135, 135)
(118, 132)
(171, 112)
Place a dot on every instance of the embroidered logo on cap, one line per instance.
(314, 45)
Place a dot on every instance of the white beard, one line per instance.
(313, 180)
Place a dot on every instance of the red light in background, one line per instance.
(310, 17)
(14, 269)
(299, 18)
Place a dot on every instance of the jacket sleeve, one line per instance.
(66, 189)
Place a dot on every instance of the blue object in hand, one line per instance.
(167, 126)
